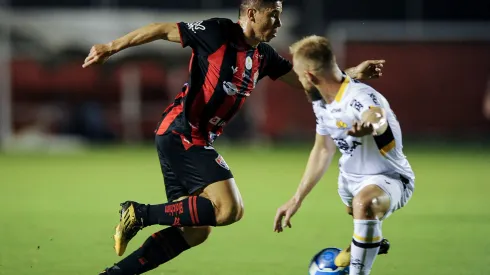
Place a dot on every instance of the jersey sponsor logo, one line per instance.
(374, 98)
(234, 69)
(217, 121)
(230, 88)
(340, 124)
(356, 105)
(195, 26)
(338, 110)
(345, 147)
(221, 162)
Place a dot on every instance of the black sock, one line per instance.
(191, 211)
(160, 248)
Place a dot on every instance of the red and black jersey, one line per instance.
(223, 72)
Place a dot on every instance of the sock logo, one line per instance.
(176, 222)
(174, 209)
(357, 263)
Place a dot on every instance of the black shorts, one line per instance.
(186, 171)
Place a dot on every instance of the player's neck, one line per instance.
(248, 34)
(330, 86)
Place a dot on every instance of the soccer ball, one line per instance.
(324, 263)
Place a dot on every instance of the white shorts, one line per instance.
(398, 191)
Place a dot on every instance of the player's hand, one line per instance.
(360, 129)
(98, 55)
(369, 69)
(286, 211)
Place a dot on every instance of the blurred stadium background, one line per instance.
(76, 142)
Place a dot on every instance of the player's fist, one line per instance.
(98, 55)
(286, 211)
(369, 69)
(360, 129)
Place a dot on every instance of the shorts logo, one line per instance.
(221, 162)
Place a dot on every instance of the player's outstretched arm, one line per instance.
(101, 52)
(320, 158)
(368, 69)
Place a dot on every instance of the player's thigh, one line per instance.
(384, 193)
(203, 171)
(219, 185)
(173, 186)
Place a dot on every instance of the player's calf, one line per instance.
(159, 248)
(369, 206)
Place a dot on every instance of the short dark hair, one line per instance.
(247, 4)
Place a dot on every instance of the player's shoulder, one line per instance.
(266, 48)
(214, 23)
(358, 88)
(222, 21)
(319, 106)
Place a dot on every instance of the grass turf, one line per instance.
(58, 213)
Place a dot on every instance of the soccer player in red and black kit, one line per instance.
(228, 58)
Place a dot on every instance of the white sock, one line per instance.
(365, 246)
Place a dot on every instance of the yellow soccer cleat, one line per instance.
(129, 225)
(343, 258)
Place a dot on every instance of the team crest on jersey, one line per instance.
(195, 26)
(340, 124)
(248, 63)
(221, 162)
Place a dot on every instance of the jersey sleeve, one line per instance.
(321, 126)
(204, 36)
(365, 99)
(276, 65)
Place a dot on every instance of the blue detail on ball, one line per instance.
(324, 263)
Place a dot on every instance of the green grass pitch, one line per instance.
(58, 213)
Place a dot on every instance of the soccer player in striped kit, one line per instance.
(228, 59)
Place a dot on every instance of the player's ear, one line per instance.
(251, 14)
(310, 77)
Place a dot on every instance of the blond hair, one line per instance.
(315, 51)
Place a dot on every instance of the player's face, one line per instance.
(267, 21)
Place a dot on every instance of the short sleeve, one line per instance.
(365, 99)
(319, 110)
(204, 36)
(276, 65)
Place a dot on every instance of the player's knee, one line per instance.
(196, 235)
(228, 213)
(365, 207)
